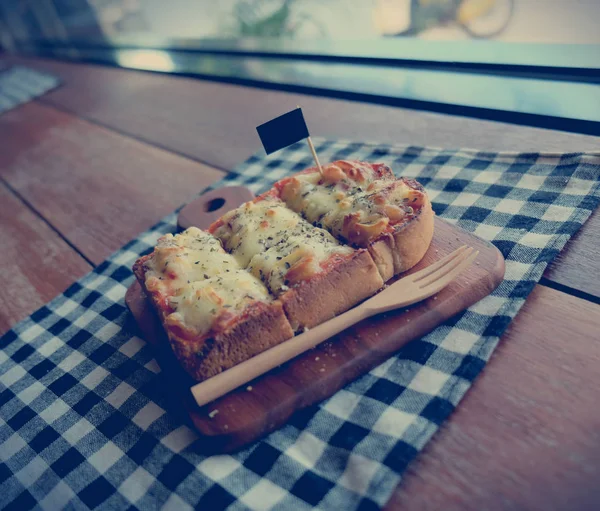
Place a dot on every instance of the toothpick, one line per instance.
(314, 153)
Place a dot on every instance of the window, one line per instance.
(535, 59)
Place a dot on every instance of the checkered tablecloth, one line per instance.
(86, 420)
(20, 84)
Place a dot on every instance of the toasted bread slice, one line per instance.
(215, 313)
(392, 218)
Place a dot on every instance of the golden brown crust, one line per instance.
(399, 251)
(383, 255)
(263, 326)
(333, 292)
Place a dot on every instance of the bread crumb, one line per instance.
(226, 426)
(435, 297)
(322, 369)
(317, 358)
(306, 329)
(213, 413)
(249, 388)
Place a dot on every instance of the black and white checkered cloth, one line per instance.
(86, 419)
(20, 84)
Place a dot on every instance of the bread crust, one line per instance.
(399, 251)
(262, 326)
(332, 292)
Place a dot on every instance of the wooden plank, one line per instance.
(213, 123)
(578, 265)
(35, 263)
(526, 435)
(97, 187)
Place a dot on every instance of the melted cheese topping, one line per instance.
(276, 244)
(199, 281)
(357, 212)
(199, 304)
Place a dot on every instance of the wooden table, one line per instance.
(88, 166)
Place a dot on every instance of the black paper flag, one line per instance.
(283, 131)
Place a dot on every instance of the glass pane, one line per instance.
(545, 21)
(522, 21)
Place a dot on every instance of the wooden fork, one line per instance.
(406, 291)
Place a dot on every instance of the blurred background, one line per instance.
(522, 21)
(533, 61)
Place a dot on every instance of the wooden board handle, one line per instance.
(211, 206)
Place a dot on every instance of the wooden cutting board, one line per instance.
(267, 403)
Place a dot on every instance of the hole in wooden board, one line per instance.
(214, 204)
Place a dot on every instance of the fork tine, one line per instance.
(447, 268)
(425, 272)
(445, 279)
